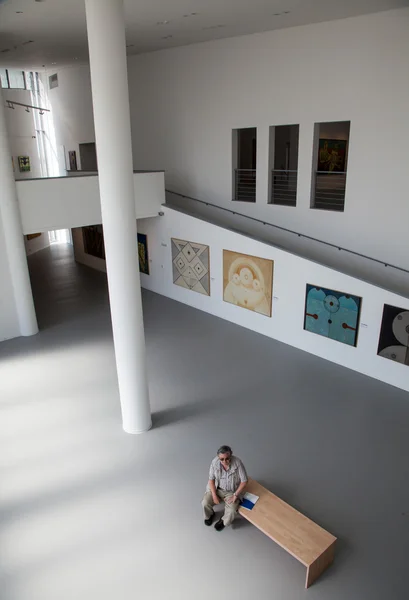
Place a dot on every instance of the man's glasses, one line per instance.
(225, 459)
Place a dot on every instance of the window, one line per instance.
(13, 79)
(330, 159)
(283, 161)
(4, 79)
(244, 164)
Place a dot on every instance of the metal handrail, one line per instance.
(301, 235)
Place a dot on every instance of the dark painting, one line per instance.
(332, 155)
(143, 253)
(93, 237)
(394, 335)
(73, 160)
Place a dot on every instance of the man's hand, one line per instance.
(216, 499)
(231, 499)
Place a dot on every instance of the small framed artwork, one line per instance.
(332, 314)
(332, 155)
(72, 156)
(143, 253)
(191, 266)
(394, 335)
(24, 164)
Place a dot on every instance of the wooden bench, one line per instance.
(304, 539)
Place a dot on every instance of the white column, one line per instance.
(107, 50)
(13, 234)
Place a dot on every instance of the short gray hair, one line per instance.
(224, 450)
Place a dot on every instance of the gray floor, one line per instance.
(88, 512)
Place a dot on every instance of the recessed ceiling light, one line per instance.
(75, 57)
(53, 63)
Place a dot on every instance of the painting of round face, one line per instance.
(247, 282)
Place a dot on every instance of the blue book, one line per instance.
(249, 501)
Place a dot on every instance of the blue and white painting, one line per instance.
(332, 314)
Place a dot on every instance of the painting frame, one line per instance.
(248, 282)
(191, 265)
(24, 164)
(143, 254)
(332, 155)
(393, 342)
(337, 294)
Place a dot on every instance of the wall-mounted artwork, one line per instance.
(93, 237)
(143, 253)
(394, 336)
(191, 267)
(72, 157)
(332, 314)
(24, 164)
(248, 281)
(332, 155)
(32, 236)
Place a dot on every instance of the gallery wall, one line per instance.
(290, 278)
(37, 243)
(9, 325)
(71, 103)
(186, 102)
(22, 133)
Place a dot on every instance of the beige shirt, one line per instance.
(228, 480)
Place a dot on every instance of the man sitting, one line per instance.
(227, 480)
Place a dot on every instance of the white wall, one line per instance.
(9, 325)
(22, 133)
(71, 103)
(291, 274)
(186, 101)
(66, 202)
(36, 244)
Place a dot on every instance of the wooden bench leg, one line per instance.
(319, 566)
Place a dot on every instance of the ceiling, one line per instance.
(42, 33)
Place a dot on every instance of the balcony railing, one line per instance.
(284, 187)
(245, 185)
(330, 190)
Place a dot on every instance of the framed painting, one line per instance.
(248, 282)
(191, 266)
(332, 314)
(24, 164)
(394, 334)
(72, 157)
(332, 155)
(143, 253)
(93, 237)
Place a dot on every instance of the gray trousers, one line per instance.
(230, 510)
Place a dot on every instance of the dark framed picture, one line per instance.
(72, 156)
(143, 253)
(93, 237)
(394, 334)
(332, 155)
(24, 164)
